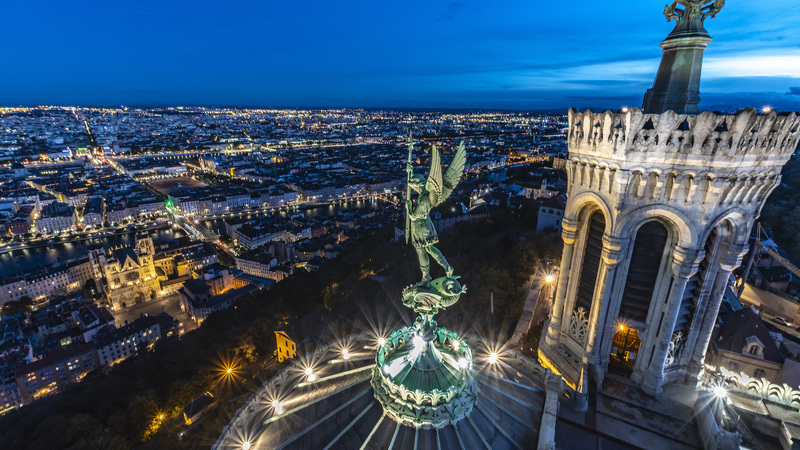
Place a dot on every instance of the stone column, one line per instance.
(685, 263)
(569, 233)
(613, 253)
(547, 428)
(728, 262)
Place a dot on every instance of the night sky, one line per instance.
(418, 54)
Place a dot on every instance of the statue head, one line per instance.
(417, 182)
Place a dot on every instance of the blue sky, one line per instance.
(416, 54)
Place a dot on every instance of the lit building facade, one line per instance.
(129, 273)
(56, 371)
(116, 345)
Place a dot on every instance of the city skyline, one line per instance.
(449, 55)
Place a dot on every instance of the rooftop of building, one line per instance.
(110, 336)
(739, 329)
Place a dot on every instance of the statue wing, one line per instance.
(453, 175)
(434, 183)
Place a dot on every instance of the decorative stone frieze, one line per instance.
(723, 140)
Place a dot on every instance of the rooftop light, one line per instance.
(463, 363)
(381, 341)
(492, 358)
(278, 406)
(345, 354)
(720, 392)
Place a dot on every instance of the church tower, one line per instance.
(661, 204)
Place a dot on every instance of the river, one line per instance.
(26, 259)
(218, 225)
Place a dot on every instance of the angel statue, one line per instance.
(432, 192)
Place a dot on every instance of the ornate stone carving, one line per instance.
(722, 137)
(692, 9)
(579, 325)
(762, 387)
(675, 347)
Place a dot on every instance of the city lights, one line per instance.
(381, 341)
(463, 363)
(345, 354)
(277, 406)
(492, 358)
(548, 278)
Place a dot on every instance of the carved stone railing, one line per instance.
(727, 137)
(578, 325)
(779, 393)
(674, 349)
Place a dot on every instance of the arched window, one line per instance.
(643, 269)
(694, 287)
(592, 252)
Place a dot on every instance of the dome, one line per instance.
(326, 400)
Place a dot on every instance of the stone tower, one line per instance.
(661, 204)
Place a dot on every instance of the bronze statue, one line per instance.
(432, 192)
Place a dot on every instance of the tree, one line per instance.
(26, 303)
(12, 308)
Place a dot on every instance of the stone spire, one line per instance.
(677, 84)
